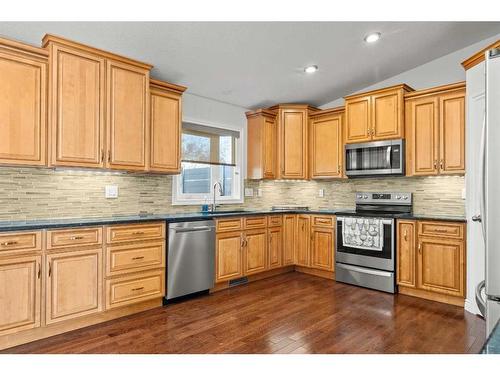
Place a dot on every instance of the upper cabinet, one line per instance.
(166, 122)
(326, 143)
(435, 127)
(23, 103)
(375, 115)
(262, 144)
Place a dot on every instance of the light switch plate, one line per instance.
(321, 193)
(248, 192)
(259, 192)
(111, 191)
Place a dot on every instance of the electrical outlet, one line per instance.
(111, 191)
(321, 193)
(248, 192)
(259, 192)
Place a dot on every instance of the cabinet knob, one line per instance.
(406, 235)
(420, 248)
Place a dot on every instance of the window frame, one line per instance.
(181, 199)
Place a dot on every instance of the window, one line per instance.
(209, 155)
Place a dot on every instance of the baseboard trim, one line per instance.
(23, 337)
(450, 300)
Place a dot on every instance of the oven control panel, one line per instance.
(384, 198)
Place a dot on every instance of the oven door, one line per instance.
(378, 259)
(375, 158)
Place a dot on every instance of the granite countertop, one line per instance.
(492, 345)
(75, 222)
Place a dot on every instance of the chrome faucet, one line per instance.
(219, 186)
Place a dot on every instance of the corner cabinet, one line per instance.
(262, 144)
(326, 144)
(23, 104)
(435, 127)
(431, 260)
(376, 115)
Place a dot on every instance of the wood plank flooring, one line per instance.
(289, 313)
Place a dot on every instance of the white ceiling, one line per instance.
(254, 64)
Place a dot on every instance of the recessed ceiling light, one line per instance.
(373, 37)
(311, 69)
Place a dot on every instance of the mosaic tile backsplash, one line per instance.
(30, 193)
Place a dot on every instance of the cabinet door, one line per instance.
(358, 120)
(22, 110)
(452, 133)
(255, 251)
(302, 253)
(441, 265)
(77, 108)
(326, 147)
(289, 238)
(270, 145)
(424, 124)
(387, 115)
(74, 284)
(293, 143)
(406, 253)
(166, 119)
(228, 256)
(127, 115)
(19, 294)
(275, 252)
(322, 248)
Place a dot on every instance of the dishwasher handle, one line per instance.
(192, 229)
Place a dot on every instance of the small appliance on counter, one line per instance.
(365, 254)
(380, 158)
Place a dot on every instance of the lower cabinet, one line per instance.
(431, 260)
(289, 239)
(255, 251)
(275, 246)
(322, 240)
(20, 286)
(74, 284)
(302, 248)
(228, 262)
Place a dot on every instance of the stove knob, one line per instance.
(365, 196)
(398, 196)
(405, 197)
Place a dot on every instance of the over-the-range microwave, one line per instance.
(380, 158)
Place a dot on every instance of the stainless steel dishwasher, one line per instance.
(191, 257)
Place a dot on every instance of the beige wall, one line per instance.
(29, 193)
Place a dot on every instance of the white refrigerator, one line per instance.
(488, 292)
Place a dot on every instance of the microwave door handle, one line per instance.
(388, 157)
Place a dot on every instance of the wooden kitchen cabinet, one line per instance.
(435, 126)
(262, 152)
(20, 291)
(255, 251)
(289, 238)
(228, 256)
(302, 248)
(376, 115)
(322, 248)
(326, 151)
(406, 259)
(166, 127)
(23, 104)
(275, 246)
(73, 284)
(431, 260)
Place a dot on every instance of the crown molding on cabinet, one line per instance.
(19, 48)
(327, 111)
(157, 84)
(403, 86)
(435, 90)
(478, 57)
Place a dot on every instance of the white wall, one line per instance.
(441, 71)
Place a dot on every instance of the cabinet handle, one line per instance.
(338, 169)
(138, 232)
(435, 164)
(270, 238)
(441, 164)
(137, 258)
(39, 270)
(102, 155)
(9, 243)
(420, 248)
(76, 238)
(137, 289)
(50, 269)
(441, 230)
(406, 235)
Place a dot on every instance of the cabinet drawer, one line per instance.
(254, 222)
(20, 241)
(133, 289)
(441, 229)
(227, 225)
(274, 220)
(74, 237)
(135, 257)
(134, 232)
(323, 221)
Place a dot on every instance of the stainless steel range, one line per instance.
(365, 254)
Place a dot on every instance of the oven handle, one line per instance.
(384, 221)
(364, 270)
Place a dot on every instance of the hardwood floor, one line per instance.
(289, 313)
